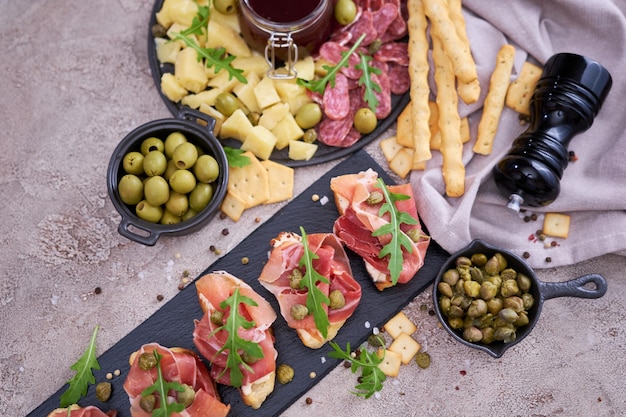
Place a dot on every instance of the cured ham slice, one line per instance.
(77, 411)
(177, 365)
(359, 218)
(258, 376)
(332, 262)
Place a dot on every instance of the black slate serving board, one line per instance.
(172, 325)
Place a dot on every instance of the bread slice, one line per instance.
(314, 339)
(254, 394)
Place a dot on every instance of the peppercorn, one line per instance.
(225, 232)
(98, 290)
(526, 255)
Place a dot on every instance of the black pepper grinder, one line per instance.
(567, 98)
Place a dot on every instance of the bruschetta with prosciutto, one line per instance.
(76, 411)
(190, 388)
(380, 223)
(311, 278)
(235, 336)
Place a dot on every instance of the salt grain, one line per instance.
(367, 324)
(54, 299)
(323, 359)
(323, 200)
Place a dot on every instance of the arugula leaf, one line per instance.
(372, 377)
(214, 57)
(79, 383)
(235, 157)
(399, 239)
(319, 85)
(371, 87)
(162, 387)
(315, 297)
(235, 344)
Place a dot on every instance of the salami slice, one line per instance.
(393, 52)
(384, 95)
(399, 78)
(365, 25)
(333, 132)
(383, 17)
(336, 102)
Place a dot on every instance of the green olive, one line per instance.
(182, 181)
(152, 144)
(206, 169)
(154, 163)
(200, 196)
(169, 170)
(156, 190)
(308, 115)
(130, 189)
(189, 214)
(225, 6)
(185, 155)
(226, 103)
(365, 120)
(148, 212)
(133, 163)
(177, 204)
(172, 141)
(170, 218)
(345, 11)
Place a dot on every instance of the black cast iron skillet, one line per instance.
(586, 286)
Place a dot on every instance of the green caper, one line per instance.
(444, 305)
(309, 115)
(345, 11)
(477, 308)
(502, 262)
(515, 303)
(226, 103)
(374, 46)
(133, 163)
(472, 334)
(217, 317)
(479, 259)
(451, 276)
(295, 278)
(488, 333)
(456, 312)
(495, 280)
(310, 136)
(492, 266)
(375, 340)
(445, 289)
(415, 235)
(337, 300)
(476, 274)
(522, 319)
(523, 282)
(146, 361)
(103, 391)
(456, 323)
(486, 320)
(472, 288)
(185, 155)
(463, 261)
(488, 290)
(365, 120)
(504, 334)
(152, 144)
(147, 403)
(284, 373)
(254, 118)
(375, 197)
(158, 31)
(249, 359)
(299, 311)
(495, 305)
(509, 288)
(422, 359)
(187, 396)
(528, 300)
(508, 273)
(225, 6)
(508, 315)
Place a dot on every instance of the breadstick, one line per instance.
(453, 169)
(469, 92)
(443, 28)
(494, 102)
(419, 90)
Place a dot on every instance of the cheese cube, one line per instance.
(301, 151)
(265, 93)
(287, 130)
(237, 126)
(260, 141)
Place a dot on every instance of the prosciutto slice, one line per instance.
(332, 263)
(76, 411)
(214, 288)
(177, 365)
(359, 218)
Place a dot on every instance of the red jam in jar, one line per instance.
(285, 29)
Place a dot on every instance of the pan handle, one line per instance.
(575, 287)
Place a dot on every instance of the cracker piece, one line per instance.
(391, 362)
(406, 346)
(398, 324)
(402, 162)
(390, 147)
(233, 206)
(522, 88)
(250, 183)
(404, 127)
(556, 225)
(280, 179)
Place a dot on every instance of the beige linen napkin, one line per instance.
(593, 188)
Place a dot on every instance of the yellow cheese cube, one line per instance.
(301, 151)
(171, 89)
(255, 63)
(179, 11)
(237, 126)
(219, 117)
(305, 68)
(166, 51)
(273, 114)
(220, 35)
(189, 72)
(260, 142)
(207, 97)
(265, 93)
(245, 92)
(287, 130)
(221, 80)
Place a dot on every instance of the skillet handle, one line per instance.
(575, 287)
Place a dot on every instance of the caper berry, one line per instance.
(337, 300)
(375, 197)
(295, 278)
(299, 311)
(284, 373)
(217, 317)
(187, 396)
(146, 361)
(147, 403)
(103, 391)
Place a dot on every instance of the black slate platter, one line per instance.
(172, 325)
